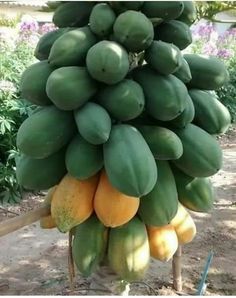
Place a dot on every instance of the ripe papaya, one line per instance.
(183, 72)
(128, 250)
(175, 32)
(124, 100)
(208, 72)
(46, 41)
(186, 116)
(163, 242)
(133, 30)
(71, 48)
(164, 143)
(72, 14)
(107, 62)
(202, 155)
(165, 10)
(184, 225)
(89, 245)
(195, 194)
(165, 96)
(129, 162)
(101, 19)
(93, 122)
(70, 87)
(47, 222)
(33, 83)
(72, 202)
(112, 207)
(45, 132)
(210, 114)
(83, 159)
(164, 57)
(40, 174)
(159, 206)
(189, 13)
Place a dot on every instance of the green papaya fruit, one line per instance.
(158, 207)
(164, 143)
(183, 72)
(83, 160)
(129, 163)
(71, 48)
(41, 174)
(46, 41)
(107, 62)
(164, 57)
(33, 83)
(202, 156)
(70, 87)
(45, 132)
(124, 100)
(175, 32)
(165, 95)
(165, 10)
(101, 19)
(189, 13)
(89, 245)
(210, 114)
(133, 30)
(208, 72)
(72, 14)
(93, 122)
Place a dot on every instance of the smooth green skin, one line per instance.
(164, 143)
(213, 72)
(101, 19)
(83, 160)
(41, 174)
(186, 116)
(166, 10)
(71, 48)
(133, 5)
(70, 87)
(73, 14)
(107, 62)
(123, 243)
(202, 155)
(124, 101)
(175, 32)
(164, 57)
(195, 194)
(46, 41)
(45, 132)
(210, 114)
(189, 14)
(165, 95)
(183, 73)
(159, 206)
(33, 83)
(93, 123)
(89, 245)
(133, 30)
(129, 162)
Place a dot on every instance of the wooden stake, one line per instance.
(21, 221)
(71, 266)
(176, 268)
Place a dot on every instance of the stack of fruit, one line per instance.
(124, 132)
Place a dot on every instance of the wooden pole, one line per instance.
(176, 268)
(21, 221)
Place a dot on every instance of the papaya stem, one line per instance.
(176, 269)
(71, 266)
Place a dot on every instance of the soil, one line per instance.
(34, 261)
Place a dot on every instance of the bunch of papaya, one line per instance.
(124, 135)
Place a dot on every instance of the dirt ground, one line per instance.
(34, 261)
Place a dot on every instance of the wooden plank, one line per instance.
(18, 222)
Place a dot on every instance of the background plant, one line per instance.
(16, 53)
